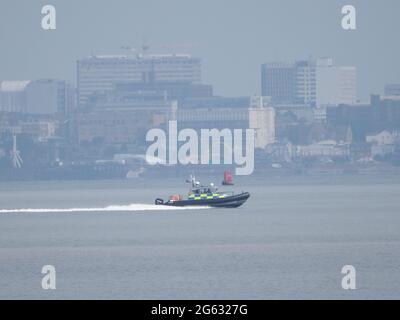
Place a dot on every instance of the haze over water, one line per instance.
(290, 240)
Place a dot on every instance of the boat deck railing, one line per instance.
(230, 193)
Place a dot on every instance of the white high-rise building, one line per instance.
(309, 82)
(305, 82)
(100, 73)
(262, 120)
(335, 84)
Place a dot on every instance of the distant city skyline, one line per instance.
(232, 38)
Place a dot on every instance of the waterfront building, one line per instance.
(123, 122)
(384, 137)
(262, 120)
(231, 113)
(327, 148)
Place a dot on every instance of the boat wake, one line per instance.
(114, 208)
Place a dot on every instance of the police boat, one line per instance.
(207, 196)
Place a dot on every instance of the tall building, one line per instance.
(278, 82)
(172, 91)
(13, 96)
(100, 73)
(289, 82)
(262, 120)
(37, 97)
(309, 82)
(305, 82)
(50, 96)
(335, 84)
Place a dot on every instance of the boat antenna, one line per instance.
(193, 182)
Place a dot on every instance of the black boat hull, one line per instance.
(233, 201)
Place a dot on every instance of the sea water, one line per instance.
(291, 239)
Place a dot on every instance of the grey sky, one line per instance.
(233, 37)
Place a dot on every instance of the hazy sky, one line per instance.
(233, 37)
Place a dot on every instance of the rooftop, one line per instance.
(13, 86)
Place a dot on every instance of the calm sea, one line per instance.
(291, 240)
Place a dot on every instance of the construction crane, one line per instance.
(145, 48)
(140, 51)
(15, 153)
